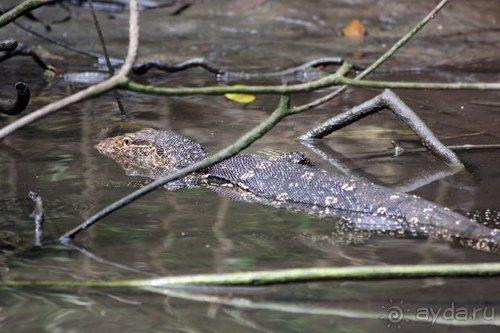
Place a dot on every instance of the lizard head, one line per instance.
(151, 153)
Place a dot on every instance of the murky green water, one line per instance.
(197, 231)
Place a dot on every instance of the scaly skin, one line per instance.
(290, 182)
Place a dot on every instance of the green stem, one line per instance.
(420, 85)
(21, 9)
(260, 278)
(328, 81)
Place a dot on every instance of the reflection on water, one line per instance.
(197, 231)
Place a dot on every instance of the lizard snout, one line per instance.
(105, 147)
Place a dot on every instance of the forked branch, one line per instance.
(388, 100)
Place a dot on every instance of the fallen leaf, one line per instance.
(240, 97)
(354, 29)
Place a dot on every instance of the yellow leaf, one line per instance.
(354, 29)
(240, 98)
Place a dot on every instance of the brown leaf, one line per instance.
(354, 29)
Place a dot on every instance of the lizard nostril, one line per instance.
(103, 147)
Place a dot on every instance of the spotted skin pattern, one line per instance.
(286, 182)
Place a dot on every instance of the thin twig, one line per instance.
(106, 57)
(388, 100)
(101, 38)
(56, 42)
(91, 255)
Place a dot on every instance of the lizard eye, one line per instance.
(126, 141)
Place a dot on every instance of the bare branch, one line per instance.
(388, 100)
(106, 57)
(22, 9)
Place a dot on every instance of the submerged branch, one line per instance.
(228, 75)
(106, 57)
(55, 42)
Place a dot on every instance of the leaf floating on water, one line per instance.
(240, 97)
(354, 29)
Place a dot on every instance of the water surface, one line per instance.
(197, 231)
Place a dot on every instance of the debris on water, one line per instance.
(38, 216)
(86, 77)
